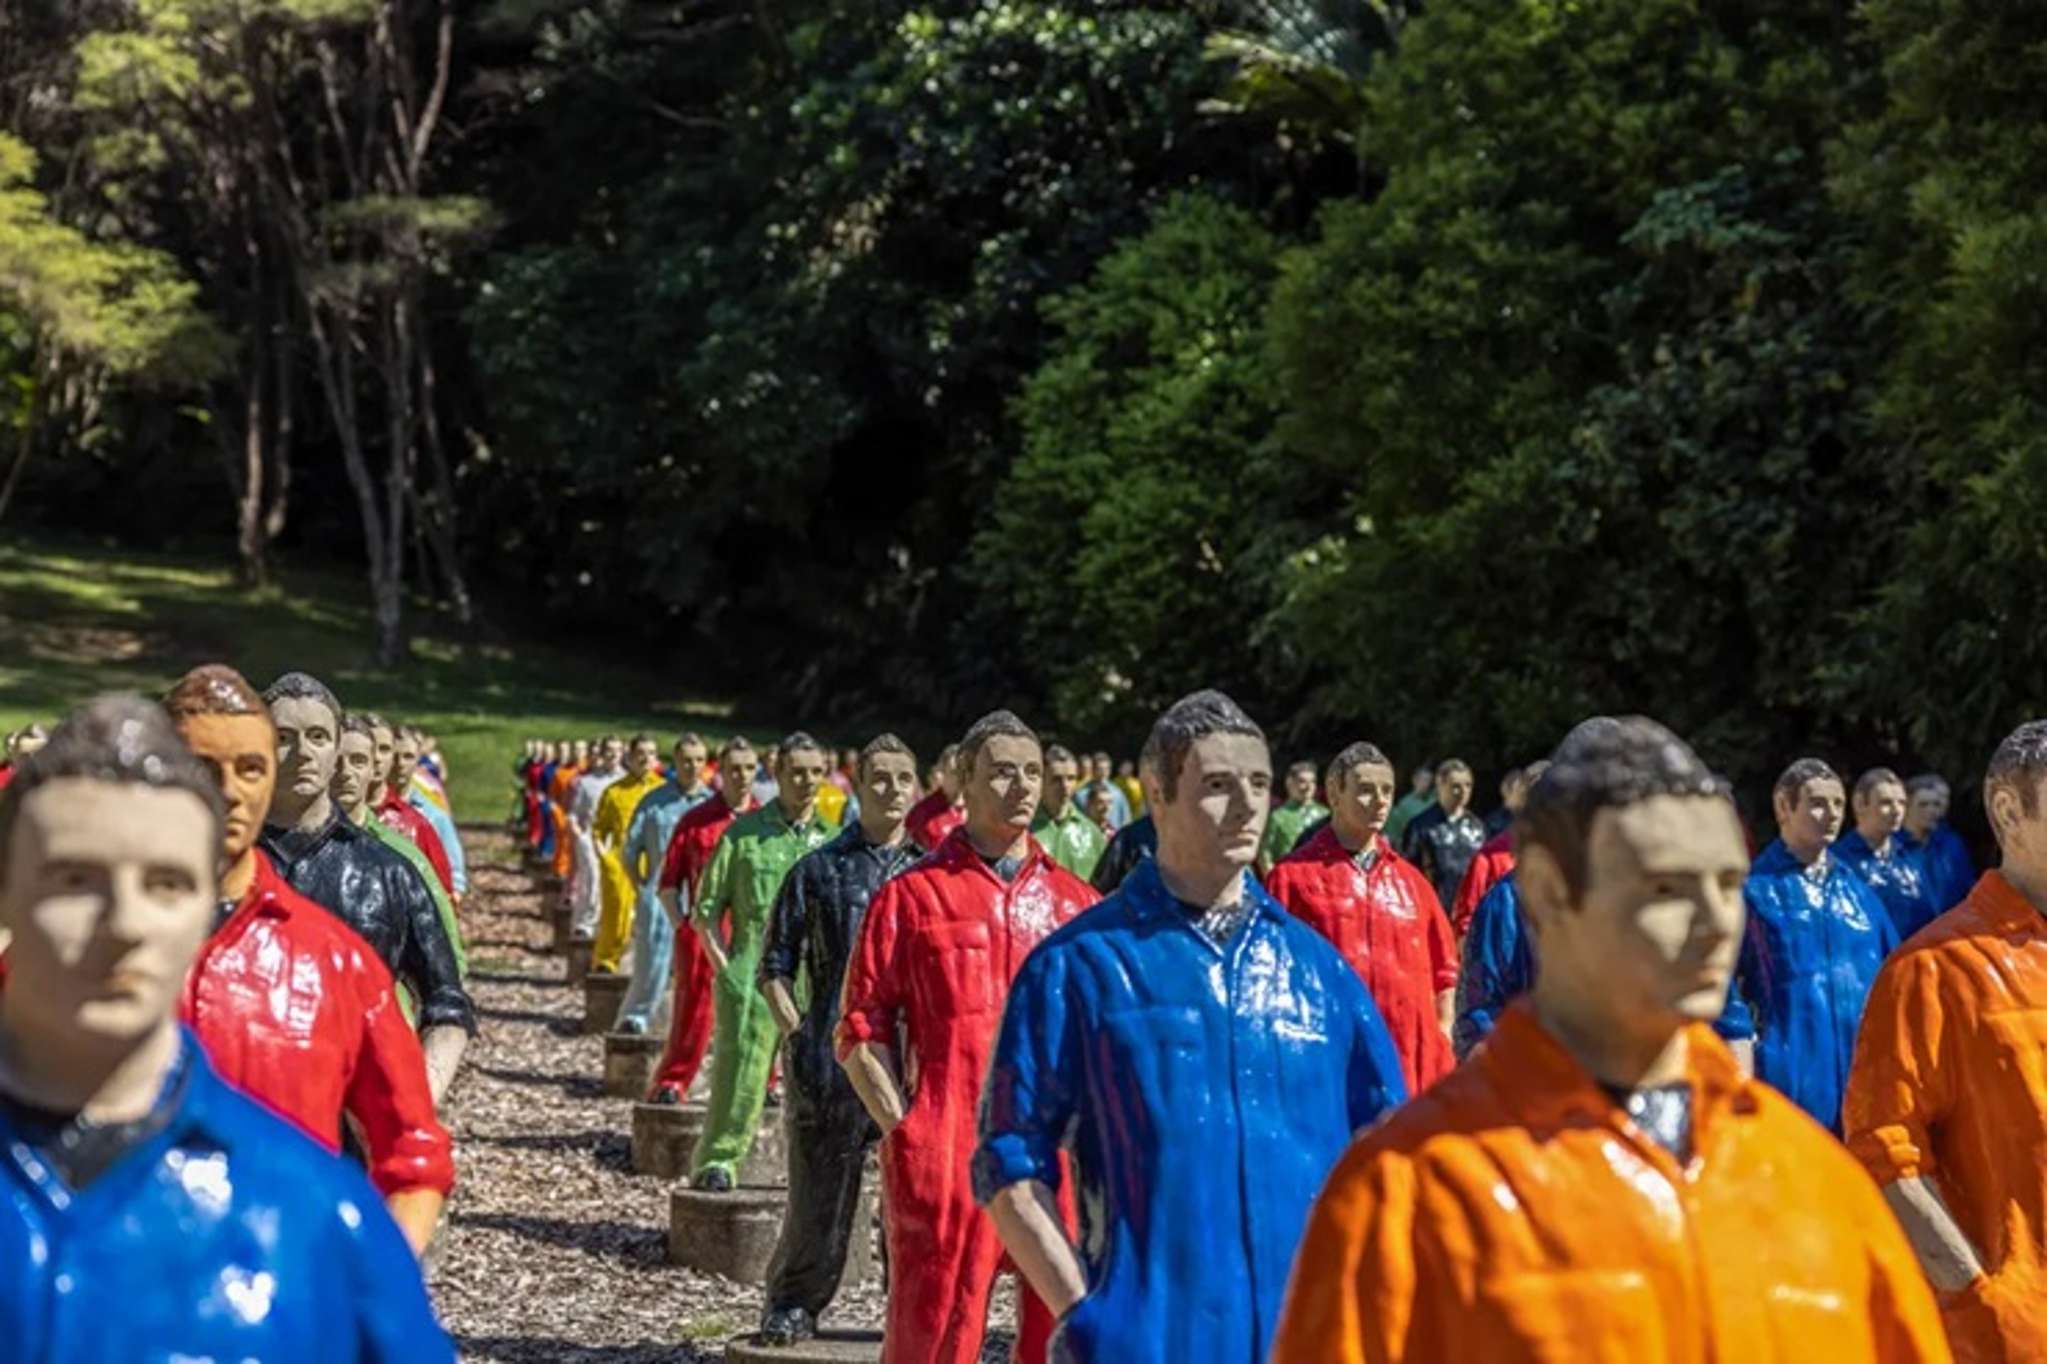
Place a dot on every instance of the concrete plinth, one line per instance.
(579, 962)
(629, 1061)
(664, 1136)
(564, 925)
(734, 1234)
(830, 1347)
(602, 994)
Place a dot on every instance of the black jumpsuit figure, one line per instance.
(810, 935)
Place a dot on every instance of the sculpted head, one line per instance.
(1454, 785)
(2012, 797)
(1926, 804)
(1630, 868)
(226, 725)
(735, 771)
(1062, 777)
(355, 766)
(308, 720)
(886, 772)
(1810, 803)
(689, 756)
(1300, 782)
(639, 756)
(1879, 805)
(1004, 771)
(1208, 785)
(1360, 794)
(800, 766)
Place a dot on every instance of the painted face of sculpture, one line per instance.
(798, 775)
(1423, 780)
(1359, 801)
(1654, 938)
(307, 738)
(242, 751)
(735, 777)
(612, 755)
(404, 759)
(582, 753)
(640, 759)
(888, 788)
(383, 753)
(354, 770)
(689, 764)
(1062, 779)
(1453, 789)
(1217, 815)
(951, 780)
(1003, 787)
(1810, 820)
(1925, 811)
(109, 891)
(1880, 811)
(1300, 783)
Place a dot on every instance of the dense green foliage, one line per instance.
(1435, 371)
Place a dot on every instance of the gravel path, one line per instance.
(553, 1251)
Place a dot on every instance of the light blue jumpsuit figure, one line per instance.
(646, 846)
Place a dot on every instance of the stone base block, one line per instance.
(629, 1061)
(664, 1136)
(579, 963)
(564, 926)
(734, 1234)
(830, 1347)
(601, 997)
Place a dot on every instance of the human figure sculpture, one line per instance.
(696, 836)
(1444, 838)
(292, 1007)
(153, 1212)
(1100, 778)
(1133, 844)
(552, 755)
(647, 836)
(616, 885)
(1947, 1101)
(1203, 1057)
(1062, 828)
(407, 784)
(562, 793)
(942, 810)
(395, 812)
(21, 746)
(347, 872)
(1495, 857)
(1816, 936)
(816, 920)
(1600, 1181)
(355, 790)
(585, 884)
(1949, 870)
(1132, 788)
(918, 1013)
(1291, 818)
(1420, 797)
(1874, 852)
(1349, 885)
(730, 915)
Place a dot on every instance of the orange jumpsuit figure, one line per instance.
(1599, 1182)
(1946, 1102)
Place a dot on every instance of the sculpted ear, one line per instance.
(1544, 892)
(2006, 812)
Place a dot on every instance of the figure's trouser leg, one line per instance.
(653, 958)
(742, 1052)
(532, 820)
(828, 1143)
(615, 920)
(583, 893)
(942, 1249)
(694, 1015)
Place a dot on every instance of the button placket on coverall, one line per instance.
(646, 847)
(1811, 952)
(615, 885)
(1515, 1213)
(1204, 1091)
(928, 977)
(1950, 1086)
(817, 918)
(739, 886)
(1388, 925)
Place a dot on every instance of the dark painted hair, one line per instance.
(1191, 718)
(303, 687)
(121, 739)
(996, 723)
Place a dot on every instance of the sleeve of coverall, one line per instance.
(872, 995)
(1489, 978)
(1375, 1083)
(608, 828)
(389, 1097)
(1442, 945)
(429, 955)
(673, 858)
(1472, 888)
(1028, 1099)
(711, 891)
(381, 1282)
(783, 940)
(640, 858)
(1351, 1299)
(1899, 1085)
(1751, 972)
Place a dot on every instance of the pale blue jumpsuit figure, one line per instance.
(646, 847)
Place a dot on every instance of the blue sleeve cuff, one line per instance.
(1007, 1158)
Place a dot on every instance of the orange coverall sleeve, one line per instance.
(1352, 1298)
(1901, 1082)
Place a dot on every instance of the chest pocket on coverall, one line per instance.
(958, 970)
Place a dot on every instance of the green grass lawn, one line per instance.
(78, 619)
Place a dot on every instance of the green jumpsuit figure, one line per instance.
(744, 876)
(1062, 828)
(1292, 819)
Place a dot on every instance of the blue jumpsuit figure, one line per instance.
(1897, 874)
(1816, 936)
(547, 772)
(217, 1232)
(1205, 1087)
(647, 837)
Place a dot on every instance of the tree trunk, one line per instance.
(440, 528)
(249, 541)
(280, 447)
(30, 419)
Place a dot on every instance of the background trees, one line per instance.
(1438, 371)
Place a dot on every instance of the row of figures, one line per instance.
(1231, 1084)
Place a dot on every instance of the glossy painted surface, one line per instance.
(397, 842)
(1405, 811)
(296, 1011)
(739, 888)
(1514, 1213)
(1135, 842)
(1388, 925)
(1072, 839)
(1811, 952)
(646, 845)
(1205, 1092)
(416, 827)
(562, 790)
(1950, 1084)
(1896, 874)
(1494, 861)
(932, 818)
(443, 825)
(227, 1236)
(617, 889)
(1442, 846)
(816, 920)
(529, 784)
(1950, 871)
(930, 972)
(1284, 827)
(694, 1015)
(1119, 801)
(346, 871)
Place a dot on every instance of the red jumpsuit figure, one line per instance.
(940, 812)
(1379, 910)
(691, 1021)
(930, 973)
(393, 811)
(1495, 859)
